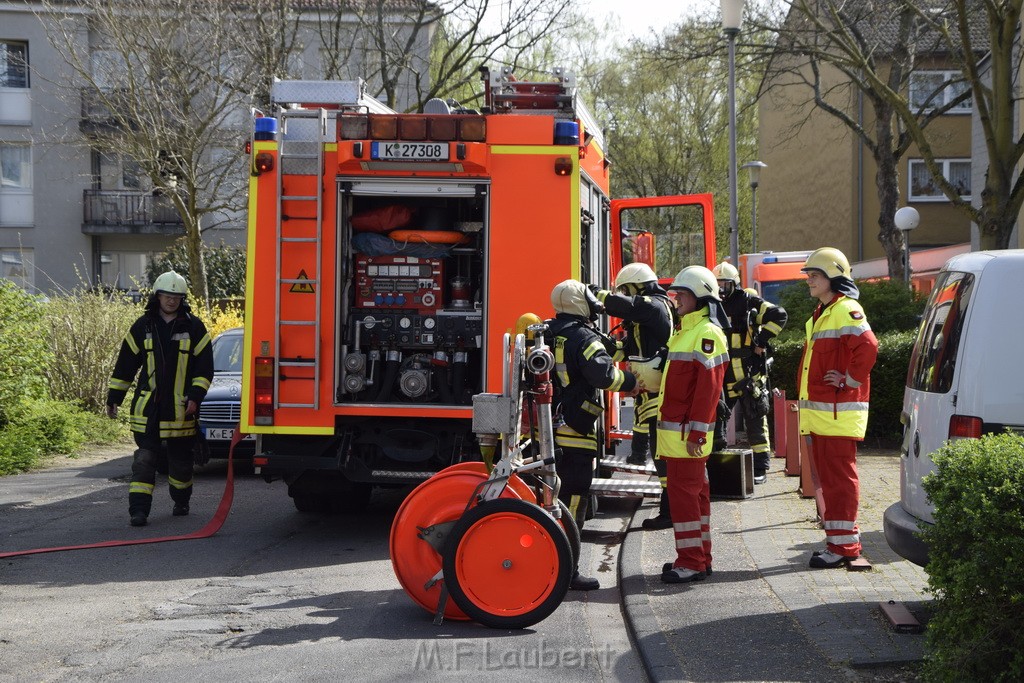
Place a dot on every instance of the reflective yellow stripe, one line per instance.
(201, 382)
(618, 377)
(178, 484)
(180, 372)
(201, 345)
(592, 349)
(130, 340)
(118, 384)
(140, 487)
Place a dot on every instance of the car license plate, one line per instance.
(225, 434)
(409, 151)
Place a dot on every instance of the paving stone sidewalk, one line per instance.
(763, 614)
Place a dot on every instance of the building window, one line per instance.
(15, 167)
(17, 266)
(13, 64)
(923, 187)
(931, 89)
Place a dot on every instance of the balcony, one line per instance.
(129, 212)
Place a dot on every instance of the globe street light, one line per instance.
(732, 18)
(754, 168)
(906, 219)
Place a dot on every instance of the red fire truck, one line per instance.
(389, 253)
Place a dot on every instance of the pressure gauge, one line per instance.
(404, 323)
(369, 322)
(428, 323)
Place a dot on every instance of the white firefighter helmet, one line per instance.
(635, 274)
(647, 372)
(171, 283)
(830, 261)
(699, 280)
(570, 296)
(727, 271)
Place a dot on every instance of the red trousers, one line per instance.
(689, 502)
(835, 460)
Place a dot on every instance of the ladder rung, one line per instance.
(303, 323)
(301, 198)
(299, 156)
(297, 363)
(298, 239)
(296, 405)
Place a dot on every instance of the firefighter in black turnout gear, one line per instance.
(172, 347)
(649, 320)
(583, 368)
(753, 323)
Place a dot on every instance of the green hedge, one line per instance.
(24, 349)
(894, 313)
(975, 560)
(41, 427)
(888, 379)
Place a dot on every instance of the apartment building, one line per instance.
(819, 188)
(72, 214)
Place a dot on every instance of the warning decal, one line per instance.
(303, 287)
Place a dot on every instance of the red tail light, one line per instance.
(263, 386)
(964, 427)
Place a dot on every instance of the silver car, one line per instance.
(222, 408)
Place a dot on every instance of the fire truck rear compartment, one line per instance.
(412, 316)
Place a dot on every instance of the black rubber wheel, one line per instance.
(354, 497)
(572, 533)
(507, 563)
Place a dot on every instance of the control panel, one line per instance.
(409, 329)
(399, 282)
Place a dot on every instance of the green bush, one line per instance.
(46, 427)
(975, 556)
(889, 306)
(225, 267)
(24, 350)
(20, 448)
(85, 329)
(888, 379)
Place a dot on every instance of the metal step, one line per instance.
(625, 488)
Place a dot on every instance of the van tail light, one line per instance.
(964, 427)
(263, 410)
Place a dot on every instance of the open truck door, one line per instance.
(668, 234)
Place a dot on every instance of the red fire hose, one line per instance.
(212, 527)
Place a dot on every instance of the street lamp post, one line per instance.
(732, 18)
(906, 219)
(754, 168)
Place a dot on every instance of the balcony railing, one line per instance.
(129, 211)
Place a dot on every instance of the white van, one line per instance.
(966, 377)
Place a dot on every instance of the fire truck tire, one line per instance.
(437, 501)
(508, 563)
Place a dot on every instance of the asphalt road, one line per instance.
(274, 595)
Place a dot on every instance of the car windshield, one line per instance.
(227, 353)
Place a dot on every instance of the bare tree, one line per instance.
(387, 42)
(984, 39)
(169, 86)
(874, 46)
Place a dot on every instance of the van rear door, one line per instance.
(929, 401)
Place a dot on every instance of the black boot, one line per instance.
(639, 447)
(583, 583)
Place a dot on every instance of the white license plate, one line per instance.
(225, 434)
(409, 151)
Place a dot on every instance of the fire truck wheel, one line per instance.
(572, 532)
(508, 563)
(310, 503)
